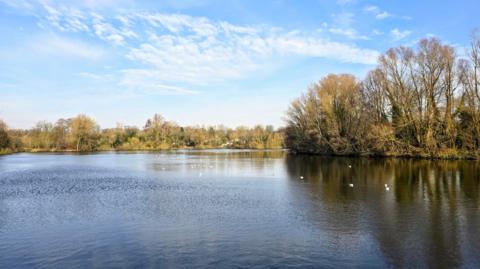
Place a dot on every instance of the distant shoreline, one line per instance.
(137, 150)
(292, 152)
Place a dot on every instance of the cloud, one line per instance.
(344, 19)
(399, 34)
(382, 15)
(97, 77)
(345, 2)
(166, 50)
(56, 45)
(203, 60)
(19, 4)
(372, 9)
(377, 12)
(101, 4)
(149, 82)
(348, 32)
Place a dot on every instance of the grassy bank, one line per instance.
(105, 149)
(442, 155)
(446, 155)
(7, 151)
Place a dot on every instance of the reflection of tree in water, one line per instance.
(430, 214)
(224, 162)
(233, 154)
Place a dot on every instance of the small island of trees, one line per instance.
(420, 102)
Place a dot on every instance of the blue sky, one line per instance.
(200, 62)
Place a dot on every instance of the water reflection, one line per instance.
(226, 209)
(202, 163)
(430, 215)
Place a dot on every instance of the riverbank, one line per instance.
(5, 152)
(425, 156)
(441, 155)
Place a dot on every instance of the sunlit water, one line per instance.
(236, 209)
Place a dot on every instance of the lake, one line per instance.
(236, 208)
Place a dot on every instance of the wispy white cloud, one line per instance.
(347, 32)
(345, 2)
(97, 77)
(19, 4)
(372, 9)
(148, 81)
(180, 40)
(343, 19)
(382, 15)
(343, 25)
(167, 50)
(101, 4)
(398, 34)
(378, 13)
(61, 46)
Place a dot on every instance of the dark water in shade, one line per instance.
(224, 209)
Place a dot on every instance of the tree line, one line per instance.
(82, 133)
(421, 101)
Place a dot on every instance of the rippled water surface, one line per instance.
(236, 209)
